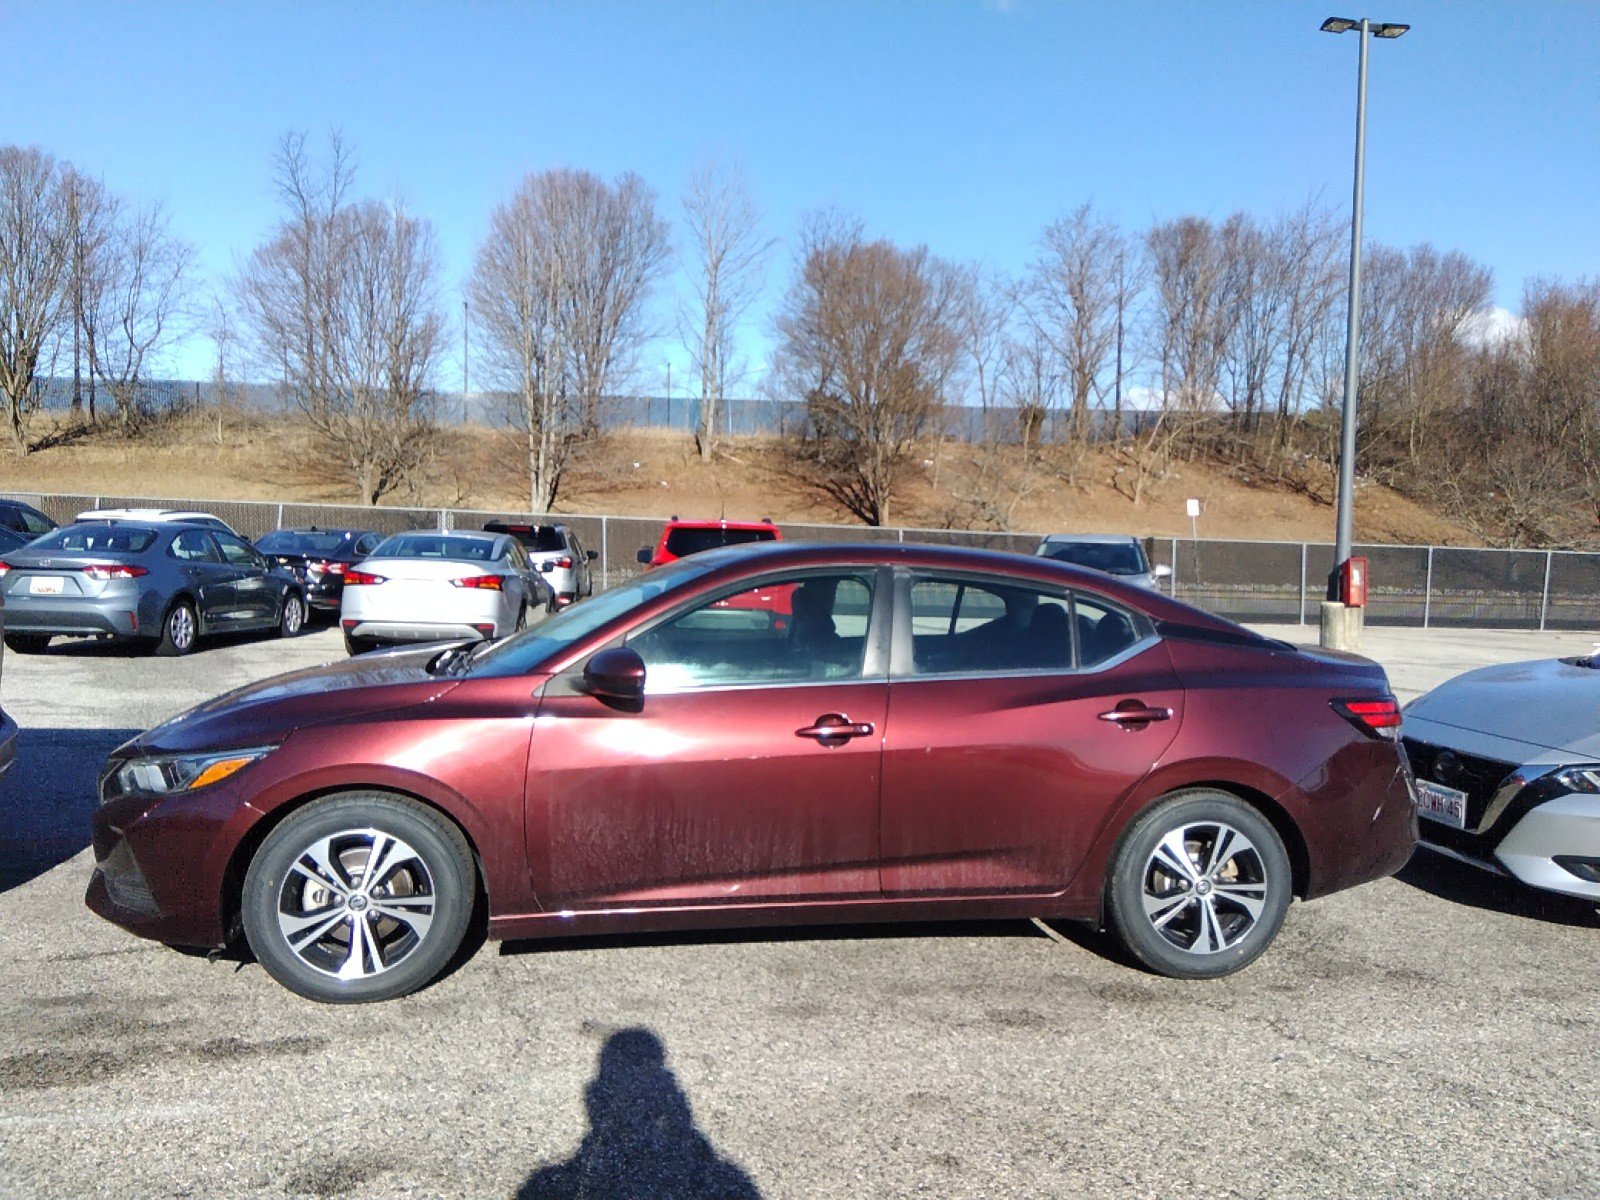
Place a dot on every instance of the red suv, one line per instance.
(679, 539)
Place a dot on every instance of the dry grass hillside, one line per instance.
(657, 473)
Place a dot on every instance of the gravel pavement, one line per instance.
(1436, 1034)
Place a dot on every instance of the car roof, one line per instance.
(321, 529)
(145, 514)
(1098, 539)
(477, 535)
(677, 524)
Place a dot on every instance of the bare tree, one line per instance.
(343, 304)
(1191, 318)
(141, 303)
(560, 287)
(727, 259)
(92, 216)
(1073, 293)
(870, 337)
(35, 259)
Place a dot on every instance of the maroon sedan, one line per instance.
(930, 733)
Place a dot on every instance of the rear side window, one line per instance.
(33, 522)
(237, 552)
(1103, 630)
(684, 542)
(960, 627)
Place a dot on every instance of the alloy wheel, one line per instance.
(357, 903)
(1205, 887)
(180, 628)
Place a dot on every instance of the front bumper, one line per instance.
(1520, 822)
(160, 863)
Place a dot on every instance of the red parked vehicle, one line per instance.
(679, 538)
(936, 733)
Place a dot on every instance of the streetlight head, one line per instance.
(1339, 25)
(1389, 31)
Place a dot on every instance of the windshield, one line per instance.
(436, 545)
(98, 537)
(683, 542)
(289, 541)
(522, 652)
(1114, 558)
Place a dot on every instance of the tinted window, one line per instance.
(237, 552)
(959, 627)
(522, 652)
(35, 522)
(11, 518)
(809, 630)
(194, 545)
(97, 537)
(293, 541)
(538, 538)
(10, 539)
(1114, 558)
(436, 545)
(684, 542)
(1103, 631)
(365, 545)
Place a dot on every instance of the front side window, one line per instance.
(237, 553)
(809, 629)
(34, 523)
(960, 627)
(194, 545)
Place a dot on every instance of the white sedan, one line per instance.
(438, 586)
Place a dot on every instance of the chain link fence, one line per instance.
(1280, 582)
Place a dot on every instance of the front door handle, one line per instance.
(1135, 714)
(835, 729)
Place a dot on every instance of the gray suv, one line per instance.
(1117, 554)
(558, 554)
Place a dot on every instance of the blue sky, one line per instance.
(963, 125)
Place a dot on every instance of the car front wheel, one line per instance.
(1199, 885)
(359, 897)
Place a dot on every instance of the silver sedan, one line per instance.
(1507, 760)
(428, 586)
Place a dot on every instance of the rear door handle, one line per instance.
(1131, 713)
(835, 729)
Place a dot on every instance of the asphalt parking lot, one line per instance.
(1435, 1034)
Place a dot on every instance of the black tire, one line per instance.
(28, 643)
(292, 618)
(1209, 918)
(429, 875)
(354, 645)
(180, 630)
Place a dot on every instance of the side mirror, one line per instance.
(593, 554)
(1162, 571)
(645, 555)
(615, 674)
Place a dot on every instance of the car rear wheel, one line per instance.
(28, 643)
(359, 897)
(179, 630)
(293, 618)
(1199, 885)
(355, 645)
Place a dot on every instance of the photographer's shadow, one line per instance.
(642, 1139)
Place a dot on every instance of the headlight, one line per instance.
(159, 775)
(1579, 779)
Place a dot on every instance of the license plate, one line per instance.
(46, 585)
(1439, 803)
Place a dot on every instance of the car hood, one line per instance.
(269, 710)
(1552, 703)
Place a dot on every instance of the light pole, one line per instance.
(1335, 631)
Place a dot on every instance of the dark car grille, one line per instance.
(1478, 777)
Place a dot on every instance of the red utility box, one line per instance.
(1353, 582)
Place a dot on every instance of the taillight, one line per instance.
(113, 571)
(363, 579)
(1374, 717)
(487, 582)
(4, 567)
(326, 568)
(564, 563)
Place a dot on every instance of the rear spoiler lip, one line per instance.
(1224, 637)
